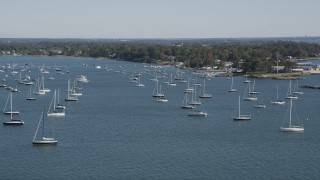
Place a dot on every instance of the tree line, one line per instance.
(252, 57)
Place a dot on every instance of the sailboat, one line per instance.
(252, 91)
(138, 84)
(82, 78)
(161, 97)
(13, 121)
(156, 91)
(247, 80)
(241, 116)
(278, 101)
(290, 95)
(54, 112)
(296, 89)
(249, 97)
(171, 82)
(291, 128)
(58, 105)
(69, 97)
(74, 90)
(185, 104)
(30, 97)
(231, 87)
(194, 99)
(10, 111)
(42, 88)
(196, 81)
(39, 91)
(44, 140)
(196, 112)
(188, 89)
(204, 94)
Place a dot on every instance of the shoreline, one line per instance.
(281, 76)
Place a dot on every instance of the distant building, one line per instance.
(297, 70)
(279, 68)
(228, 64)
(206, 68)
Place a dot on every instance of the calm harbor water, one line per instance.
(118, 131)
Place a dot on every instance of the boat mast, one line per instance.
(231, 83)
(204, 86)
(290, 113)
(68, 87)
(58, 96)
(54, 101)
(11, 104)
(41, 85)
(43, 122)
(239, 106)
(290, 88)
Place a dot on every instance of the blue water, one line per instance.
(118, 131)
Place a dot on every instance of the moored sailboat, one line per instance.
(278, 101)
(185, 104)
(12, 121)
(204, 94)
(29, 96)
(249, 97)
(196, 112)
(296, 89)
(54, 112)
(43, 140)
(69, 97)
(241, 116)
(231, 87)
(9, 111)
(59, 105)
(291, 128)
(289, 94)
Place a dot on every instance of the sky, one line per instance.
(158, 18)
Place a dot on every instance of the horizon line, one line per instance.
(158, 38)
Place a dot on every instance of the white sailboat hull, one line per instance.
(60, 107)
(292, 129)
(11, 112)
(292, 97)
(162, 100)
(71, 99)
(13, 122)
(194, 103)
(40, 92)
(76, 94)
(197, 113)
(205, 96)
(56, 114)
(278, 102)
(260, 106)
(187, 107)
(31, 98)
(158, 95)
(250, 99)
(233, 90)
(45, 142)
(298, 92)
(242, 117)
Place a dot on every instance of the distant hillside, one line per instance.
(248, 54)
